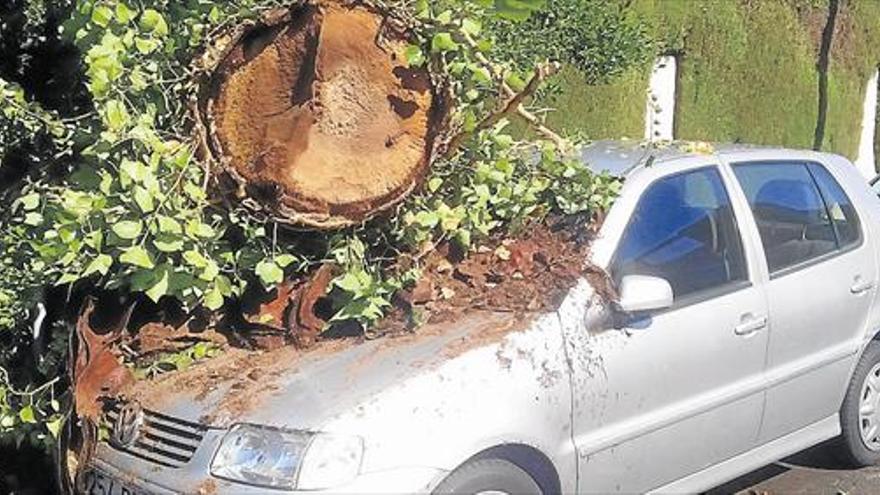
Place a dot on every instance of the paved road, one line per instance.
(812, 472)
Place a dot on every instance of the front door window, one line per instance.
(683, 230)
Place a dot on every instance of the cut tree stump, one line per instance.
(315, 114)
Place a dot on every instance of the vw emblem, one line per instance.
(127, 427)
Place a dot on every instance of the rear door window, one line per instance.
(801, 211)
(840, 209)
(683, 230)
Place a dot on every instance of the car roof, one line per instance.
(620, 157)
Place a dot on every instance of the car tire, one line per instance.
(494, 476)
(850, 447)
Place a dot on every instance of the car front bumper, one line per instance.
(167, 481)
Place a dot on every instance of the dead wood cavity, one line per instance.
(316, 117)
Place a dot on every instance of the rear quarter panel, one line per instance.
(868, 206)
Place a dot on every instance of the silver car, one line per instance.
(744, 332)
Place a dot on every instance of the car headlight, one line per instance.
(276, 458)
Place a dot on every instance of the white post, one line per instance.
(865, 160)
(660, 110)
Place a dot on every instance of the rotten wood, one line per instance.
(304, 324)
(98, 373)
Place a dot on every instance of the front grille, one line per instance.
(164, 440)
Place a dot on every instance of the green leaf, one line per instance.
(67, 278)
(195, 192)
(444, 17)
(33, 219)
(160, 288)
(127, 229)
(145, 46)
(414, 55)
(428, 219)
(434, 184)
(224, 285)
(269, 272)
(54, 426)
(144, 199)
(115, 115)
(214, 15)
(26, 415)
(464, 238)
(7, 421)
(137, 256)
(349, 282)
(284, 260)
(214, 299)
(168, 244)
(152, 20)
(480, 73)
(210, 272)
(169, 225)
(123, 13)
(30, 201)
(195, 258)
(196, 228)
(471, 27)
(101, 265)
(102, 15)
(443, 42)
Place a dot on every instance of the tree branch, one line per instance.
(513, 104)
(548, 70)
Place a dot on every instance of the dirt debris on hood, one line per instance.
(521, 277)
(155, 337)
(250, 375)
(530, 273)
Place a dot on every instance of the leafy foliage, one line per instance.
(137, 214)
(594, 37)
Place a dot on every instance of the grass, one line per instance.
(748, 73)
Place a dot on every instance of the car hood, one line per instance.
(304, 389)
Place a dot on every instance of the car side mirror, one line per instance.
(640, 293)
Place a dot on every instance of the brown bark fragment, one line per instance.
(97, 372)
(304, 323)
(271, 313)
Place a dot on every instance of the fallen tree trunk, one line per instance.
(315, 115)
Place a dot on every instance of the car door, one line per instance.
(821, 283)
(667, 394)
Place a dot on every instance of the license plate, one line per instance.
(97, 483)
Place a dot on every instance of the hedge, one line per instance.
(748, 72)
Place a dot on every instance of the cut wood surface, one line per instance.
(318, 117)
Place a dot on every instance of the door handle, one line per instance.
(861, 287)
(751, 326)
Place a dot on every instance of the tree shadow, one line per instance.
(817, 457)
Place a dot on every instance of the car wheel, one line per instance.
(488, 477)
(859, 442)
